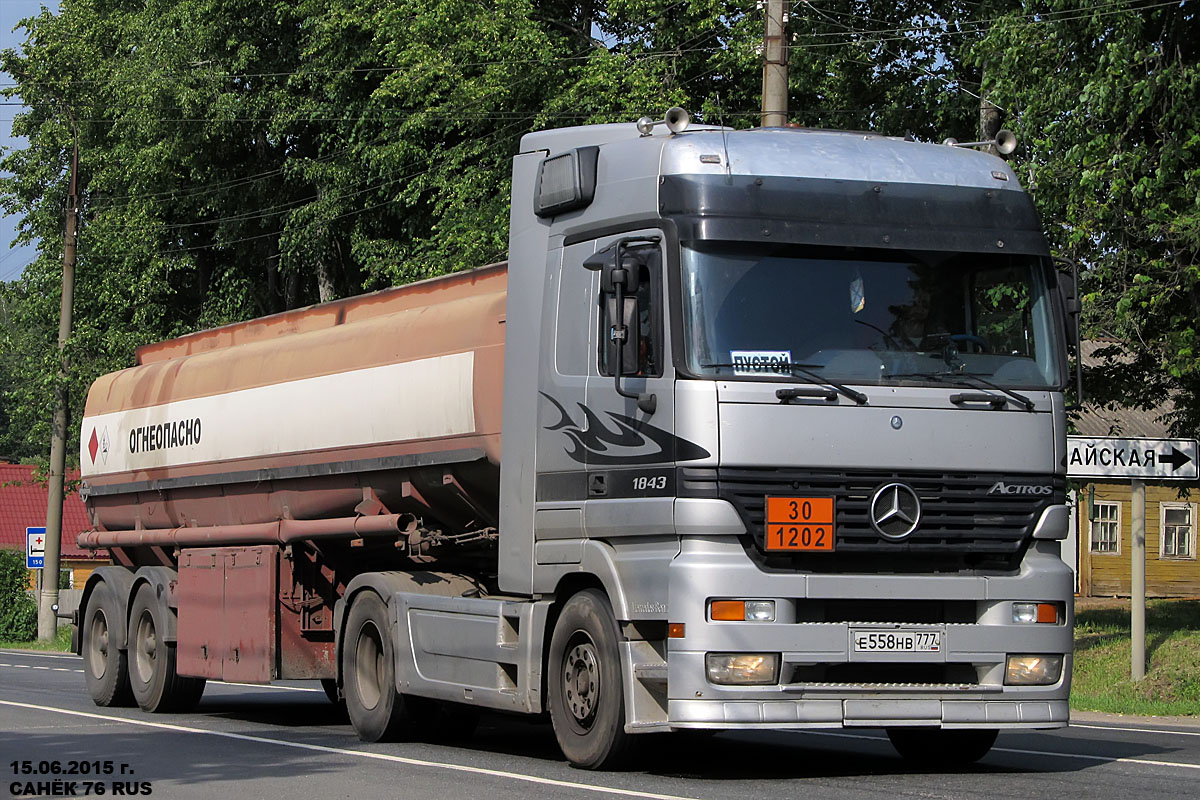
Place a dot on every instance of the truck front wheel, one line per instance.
(105, 666)
(156, 685)
(377, 711)
(940, 746)
(587, 703)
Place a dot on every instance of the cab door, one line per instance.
(628, 440)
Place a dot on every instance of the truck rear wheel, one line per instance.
(156, 685)
(105, 666)
(587, 701)
(941, 747)
(377, 711)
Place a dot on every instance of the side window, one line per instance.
(1106, 528)
(1177, 525)
(572, 350)
(649, 322)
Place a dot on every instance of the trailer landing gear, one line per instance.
(105, 666)
(156, 685)
(587, 703)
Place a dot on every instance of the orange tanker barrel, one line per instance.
(384, 403)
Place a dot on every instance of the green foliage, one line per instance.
(240, 158)
(1104, 98)
(18, 610)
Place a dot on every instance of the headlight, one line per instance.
(742, 669)
(1033, 670)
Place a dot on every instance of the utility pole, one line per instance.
(47, 608)
(989, 124)
(775, 66)
(1137, 583)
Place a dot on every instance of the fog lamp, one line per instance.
(1033, 670)
(742, 668)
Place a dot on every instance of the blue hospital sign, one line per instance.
(35, 548)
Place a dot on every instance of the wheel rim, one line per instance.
(146, 647)
(369, 666)
(98, 645)
(581, 680)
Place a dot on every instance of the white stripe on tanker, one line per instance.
(427, 398)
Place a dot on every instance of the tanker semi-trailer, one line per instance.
(755, 429)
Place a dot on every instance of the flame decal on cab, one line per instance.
(628, 442)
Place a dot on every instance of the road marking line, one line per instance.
(23, 654)
(64, 669)
(1168, 731)
(1046, 753)
(416, 762)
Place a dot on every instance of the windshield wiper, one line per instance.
(805, 370)
(968, 379)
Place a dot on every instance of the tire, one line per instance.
(377, 711)
(157, 687)
(331, 690)
(942, 747)
(105, 666)
(587, 699)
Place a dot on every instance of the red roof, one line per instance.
(23, 505)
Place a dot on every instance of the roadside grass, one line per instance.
(1102, 659)
(60, 643)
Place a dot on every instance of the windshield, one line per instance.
(867, 317)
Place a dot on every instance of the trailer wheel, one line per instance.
(157, 687)
(377, 711)
(942, 747)
(587, 701)
(105, 666)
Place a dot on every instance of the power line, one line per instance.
(976, 25)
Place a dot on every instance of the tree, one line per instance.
(1104, 98)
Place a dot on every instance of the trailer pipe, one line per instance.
(283, 531)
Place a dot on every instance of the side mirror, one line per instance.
(625, 275)
(1068, 286)
(1071, 303)
(627, 356)
(620, 265)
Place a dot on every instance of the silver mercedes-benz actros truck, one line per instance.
(797, 397)
(783, 440)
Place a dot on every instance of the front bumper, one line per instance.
(974, 652)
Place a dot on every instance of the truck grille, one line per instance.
(958, 516)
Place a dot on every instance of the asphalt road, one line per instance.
(249, 742)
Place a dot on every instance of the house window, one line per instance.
(1178, 530)
(1106, 528)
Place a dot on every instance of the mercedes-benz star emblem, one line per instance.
(895, 511)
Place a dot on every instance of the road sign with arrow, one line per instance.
(1144, 459)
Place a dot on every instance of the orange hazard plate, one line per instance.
(800, 523)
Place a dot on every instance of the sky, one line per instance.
(12, 262)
